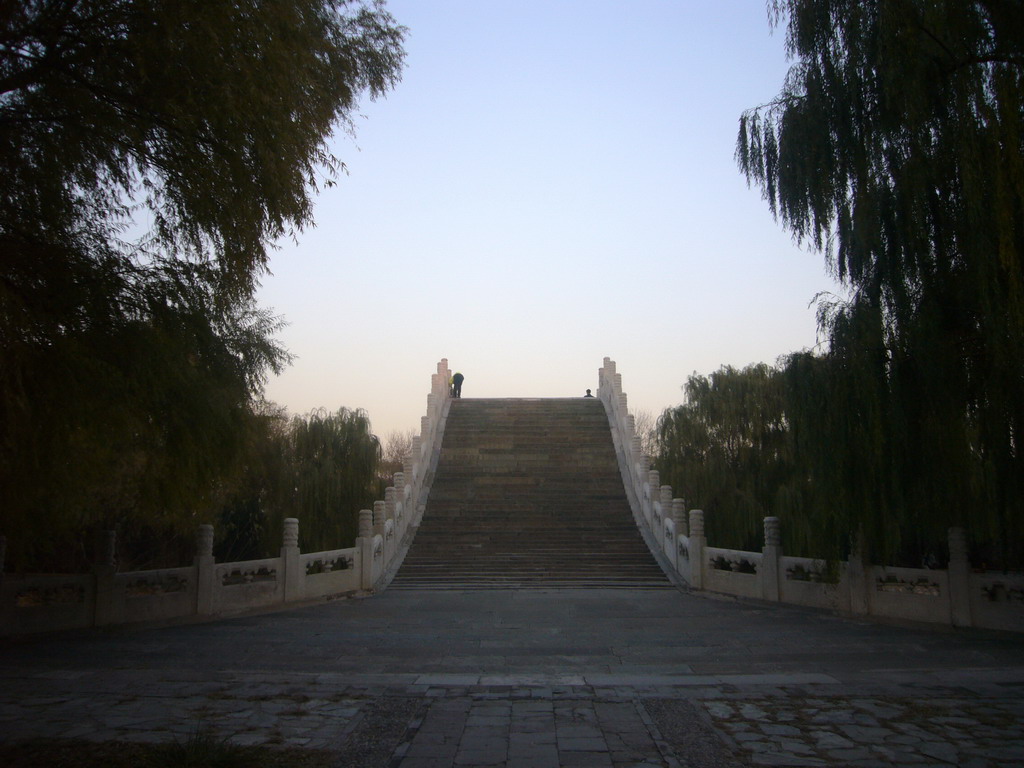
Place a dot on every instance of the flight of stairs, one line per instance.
(528, 493)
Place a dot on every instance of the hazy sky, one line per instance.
(551, 183)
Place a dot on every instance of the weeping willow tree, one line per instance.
(896, 146)
(334, 458)
(138, 422)
(151, 152)
(727, 450)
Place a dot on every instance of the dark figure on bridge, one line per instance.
(457, 384)
(588, 394)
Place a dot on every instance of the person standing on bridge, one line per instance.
(457, 384)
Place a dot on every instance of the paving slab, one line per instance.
(571, 677)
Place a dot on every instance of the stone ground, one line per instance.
(536, 678)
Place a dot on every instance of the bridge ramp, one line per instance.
(528, 493)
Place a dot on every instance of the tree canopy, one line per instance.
(728, 449)
(212, 118)
(152, 151)
(897, 147)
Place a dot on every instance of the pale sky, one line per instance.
(551, 183)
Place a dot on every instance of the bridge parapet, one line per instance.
(47, 602)
(958, 595)
(397, 516)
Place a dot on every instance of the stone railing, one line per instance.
(48, 602)
(957, 596)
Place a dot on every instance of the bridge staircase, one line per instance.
(527, 494)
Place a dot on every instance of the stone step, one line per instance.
(528, 494)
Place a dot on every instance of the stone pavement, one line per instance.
(535, 678)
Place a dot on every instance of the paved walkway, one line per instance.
(412, 679)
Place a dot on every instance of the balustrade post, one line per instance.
(410, 475)
(697, 544)
(105, 608)
(679, 515)
(672, 552)
(294, 578)
(378, 518)
(857, 578)
(653, 489)
(365, 544)
(617, 385)
(400, 497)
(445, 374)
(642, 467)
(666, 501)
(959, 577)
(389, 503)
(768, 573)
(205, 573)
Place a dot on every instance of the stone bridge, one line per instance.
(534, 598)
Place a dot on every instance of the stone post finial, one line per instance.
(365, 523)
(645, 468)
(959, 578)
(666, 499)
(654, 481)
(417, 448)
(958, 545)
(623, 402)
(424, 426)
(630, 425)
(204, 541)
(435, 383)
(407, 469)
(617, 383)
(609, 366)
(378, 517)
(696, 522)
(107, 550)
(399, 482)
(294, 576)
(698, 566)
(679, 515)
(291, 532)
(770, 573)
(389, 503)
(205, 588)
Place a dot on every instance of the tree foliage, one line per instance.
(897, 147)
(727, 451)
(334, 458)
(806, 441)
(151, 152)
(212, 117)
(320, 468)
(395, 449)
